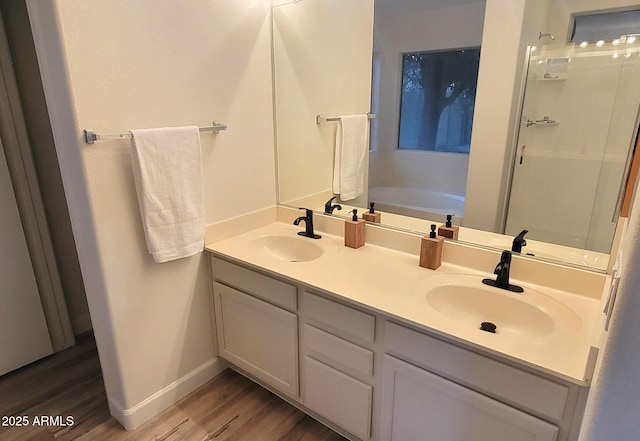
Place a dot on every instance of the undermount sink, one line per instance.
(288, 247)
(465, 301)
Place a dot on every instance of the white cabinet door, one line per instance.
(24, 336)
(419, 405)
(338, 397)
(258, 337)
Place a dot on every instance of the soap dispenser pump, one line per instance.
(448, 230)
(372, 215)
(431, 250)
(354, 230)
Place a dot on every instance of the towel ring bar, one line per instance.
(322, 119)
(91, 137)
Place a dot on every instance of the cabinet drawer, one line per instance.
(341, 399)
(339, 352)
(258, 337)
(482, 373)
(339, 318)
(272, 290)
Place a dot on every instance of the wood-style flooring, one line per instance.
(69, 384)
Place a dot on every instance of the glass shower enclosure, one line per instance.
(577, 130)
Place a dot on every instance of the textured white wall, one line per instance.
(118, 65)
(135, 64)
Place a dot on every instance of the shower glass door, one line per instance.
(579, 119)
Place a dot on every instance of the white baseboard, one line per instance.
(161, 400)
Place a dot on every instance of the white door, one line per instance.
(23, 331)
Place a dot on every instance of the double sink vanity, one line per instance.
(379, 348)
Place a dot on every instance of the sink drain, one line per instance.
(488, 327)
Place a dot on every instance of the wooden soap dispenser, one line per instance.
(372, 216)
(447, 230)
(354, 231)
(431, 250)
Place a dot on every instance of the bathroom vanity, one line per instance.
(379, 348)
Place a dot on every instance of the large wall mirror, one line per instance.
(531, 130)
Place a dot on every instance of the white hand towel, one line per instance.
(167, 169)
(352, 145)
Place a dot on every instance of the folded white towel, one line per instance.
(167, 168)
(352, 145)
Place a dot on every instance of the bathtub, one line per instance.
(418, 202)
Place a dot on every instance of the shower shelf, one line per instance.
(545, 121)
(549, 79)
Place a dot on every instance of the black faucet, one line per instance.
(328, 208)
(502, 270)
(519, 242)
(308, 223)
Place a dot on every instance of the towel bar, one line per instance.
(322, 119)
(90, 136)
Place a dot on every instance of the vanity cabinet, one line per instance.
(255, 332)
(374, 379)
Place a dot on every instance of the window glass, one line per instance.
(437, 100)
(606, 27)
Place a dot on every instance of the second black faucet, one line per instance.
(308, 224)
(502, 271)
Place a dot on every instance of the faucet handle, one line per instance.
(308, 211)
(504, 258)
(502, 270)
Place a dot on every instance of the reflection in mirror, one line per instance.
(425, 69)
(321, 67)
(314, 41)
(578, 123)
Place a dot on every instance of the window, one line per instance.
(437, 100)
(607, 26)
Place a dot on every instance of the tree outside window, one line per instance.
(438, 98)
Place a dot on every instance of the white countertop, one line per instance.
(391, 282)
